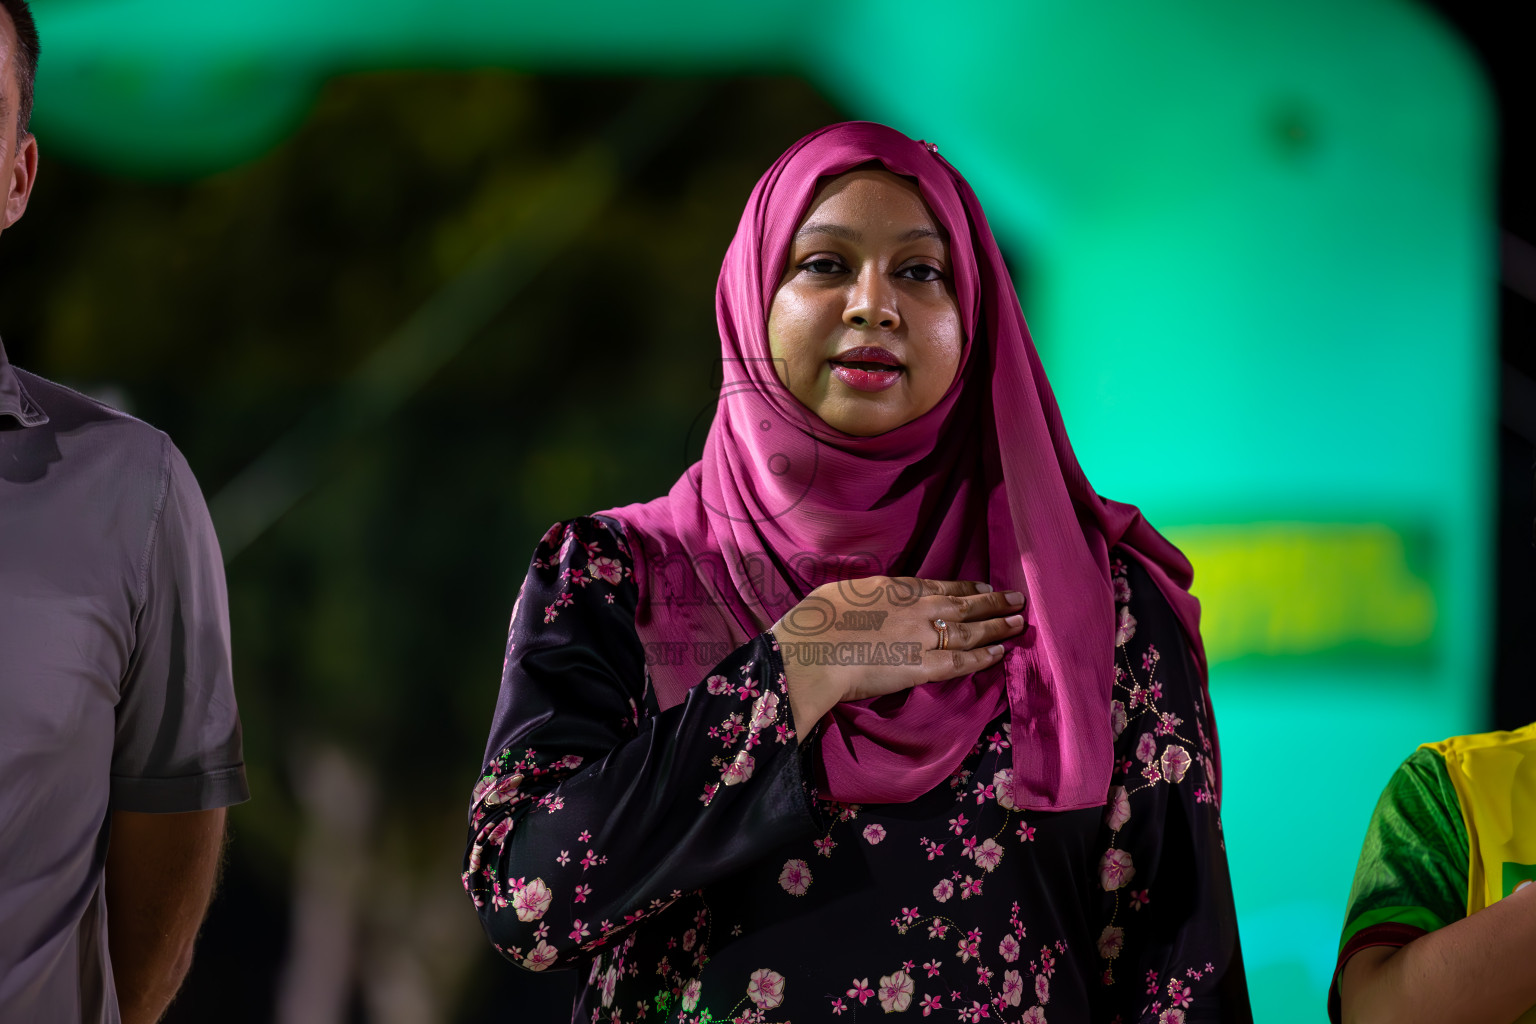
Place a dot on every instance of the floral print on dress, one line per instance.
(1144, 707)
(795, 879)
(684, 863)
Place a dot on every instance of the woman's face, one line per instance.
(864, 328)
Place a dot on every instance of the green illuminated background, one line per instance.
(1254, 246)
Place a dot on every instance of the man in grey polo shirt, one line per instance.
(119, 738)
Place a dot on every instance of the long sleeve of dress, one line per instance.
(1171, 946)
(620, 808)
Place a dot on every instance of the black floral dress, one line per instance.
(682, 860)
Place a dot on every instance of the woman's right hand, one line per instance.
(841, 622)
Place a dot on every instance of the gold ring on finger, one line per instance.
(943, 628)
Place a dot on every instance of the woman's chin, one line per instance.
(868, 421)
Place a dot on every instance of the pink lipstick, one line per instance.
(867, 368)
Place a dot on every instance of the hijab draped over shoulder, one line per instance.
(984, 486)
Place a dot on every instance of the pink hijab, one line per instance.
(982, 487)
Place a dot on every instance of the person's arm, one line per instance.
(1171, 938)
(1476, 970)
(161, 870)
(1410, 886)
(593, 810)
(176, 757)
(1409, 951)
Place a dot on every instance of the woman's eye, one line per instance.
(924, 272)
(822, 266)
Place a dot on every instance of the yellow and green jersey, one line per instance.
(1454, 832)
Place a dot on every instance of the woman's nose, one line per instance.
(872, 302)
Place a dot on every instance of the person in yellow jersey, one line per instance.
(1441, 922)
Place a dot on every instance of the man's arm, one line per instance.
(161, 870)
(1476, 970)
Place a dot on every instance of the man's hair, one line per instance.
(26, 57)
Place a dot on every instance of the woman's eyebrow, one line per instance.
(835, 230)
(839, 231)
(916, 233)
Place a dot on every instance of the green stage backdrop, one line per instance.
(1255, 241)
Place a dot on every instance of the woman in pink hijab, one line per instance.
(881, 707)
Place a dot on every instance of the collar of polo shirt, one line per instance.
(14, 400)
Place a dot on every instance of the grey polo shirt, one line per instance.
(115, 690)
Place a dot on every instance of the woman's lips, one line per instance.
(866, 376)
(867, 368)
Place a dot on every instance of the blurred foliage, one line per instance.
(372, 616)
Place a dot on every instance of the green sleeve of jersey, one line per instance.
(1413, 865)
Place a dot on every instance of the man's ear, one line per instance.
(19, 178)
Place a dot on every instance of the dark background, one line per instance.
(1497, 34)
